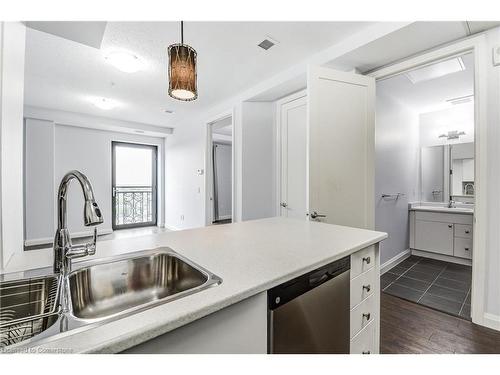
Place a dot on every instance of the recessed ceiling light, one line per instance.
(125, 61)
(169, 111)
(104, 103)
(267, 43)
(436, 70)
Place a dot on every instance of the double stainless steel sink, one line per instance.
(96, 292)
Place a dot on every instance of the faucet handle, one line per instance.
(91, 246)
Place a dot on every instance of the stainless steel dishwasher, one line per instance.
(310, 314)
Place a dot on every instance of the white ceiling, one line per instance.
(62, 74)
(410, 40)
(428, 96)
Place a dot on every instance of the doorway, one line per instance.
(424, 193)
(134, 185)
(219, 179)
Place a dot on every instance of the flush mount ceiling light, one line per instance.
(182, 70)
(453, 134)
(437, 70)
(104, 103)
(125, 61)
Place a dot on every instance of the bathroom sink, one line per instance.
(119, 286)
(444, 209)
(27, 308)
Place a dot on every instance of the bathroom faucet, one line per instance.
(451, 204)
(64, 250)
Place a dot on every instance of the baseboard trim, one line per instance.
(46, 240)
(169, 227)
(446, 258)
(394, 261)
(492, 321)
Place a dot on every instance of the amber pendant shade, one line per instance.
(182, 72)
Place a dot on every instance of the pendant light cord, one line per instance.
(182, 32)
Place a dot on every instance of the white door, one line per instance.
(293, 129)
(341, 124)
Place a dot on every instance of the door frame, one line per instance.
(154, 192)
(279, 147)
(208, 175)
(477, 46)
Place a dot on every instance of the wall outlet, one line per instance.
(496, 56)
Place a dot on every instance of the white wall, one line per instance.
(84, 149)
(12, 50)
(185, 189)
(396, 170)
(493, 180)
(258, 165)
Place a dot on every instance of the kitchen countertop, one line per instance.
(452, 210)
(250, 257)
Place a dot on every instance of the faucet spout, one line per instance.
(64, 250)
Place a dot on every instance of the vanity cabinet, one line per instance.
(447, 234)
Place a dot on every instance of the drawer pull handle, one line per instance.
(365, 352)
(466, 249)
(450, 226)
(367, 316)
(467, 232)
(367, 260)
(367, 287)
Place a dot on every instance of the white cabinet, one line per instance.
(434, 237)
(446, 234)
(365, 301)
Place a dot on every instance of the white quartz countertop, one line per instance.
(451, 210)
(250, 257)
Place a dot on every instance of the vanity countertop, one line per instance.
(250, 257)
(450, 210)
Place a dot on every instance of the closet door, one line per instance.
(293, 132)
(341, 125)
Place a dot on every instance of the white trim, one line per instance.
(278, 152)
(492, 321)
(172, 228)
(476, 45)
(45, 240)
(225, 217)
(443, 257)
(394, 261)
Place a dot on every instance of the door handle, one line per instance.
(315, 215)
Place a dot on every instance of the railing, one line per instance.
(133, 205)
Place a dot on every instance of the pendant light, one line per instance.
(182, 70)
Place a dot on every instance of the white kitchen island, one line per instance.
(251, 258)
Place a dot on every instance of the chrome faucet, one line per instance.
(451, 204)
(64, 250)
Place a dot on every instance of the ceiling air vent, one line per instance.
(267, 43)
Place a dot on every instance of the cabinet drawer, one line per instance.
(362, 315)
(364, 341)
(362, 286)
(434, 236)
(362, 261)
(463, 247)
(463, 230)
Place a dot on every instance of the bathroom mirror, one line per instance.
(462, 170)
(433, 181)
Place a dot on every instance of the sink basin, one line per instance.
(27, 308)
(119, 286)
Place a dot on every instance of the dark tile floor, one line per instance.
(433, 283)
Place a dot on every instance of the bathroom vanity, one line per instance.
(440, 232)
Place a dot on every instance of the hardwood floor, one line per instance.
(408, 328)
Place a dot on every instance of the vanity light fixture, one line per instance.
(125, 61)
(104, 103)
(453, 134)
(182, 70)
